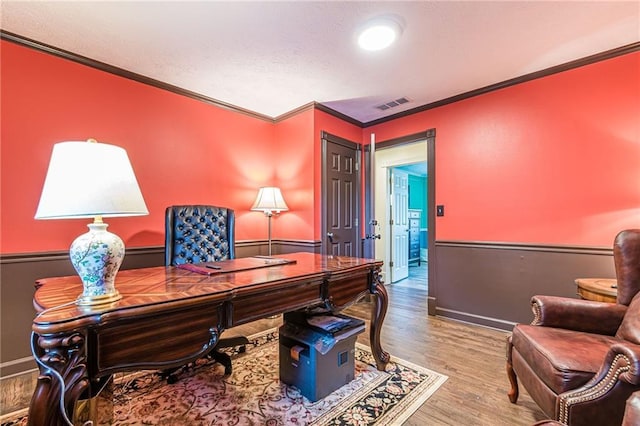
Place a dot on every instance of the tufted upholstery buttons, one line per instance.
(198, 233)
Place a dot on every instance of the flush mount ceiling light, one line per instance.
(379, 33)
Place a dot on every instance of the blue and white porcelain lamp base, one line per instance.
(97, 256)
(92, 180)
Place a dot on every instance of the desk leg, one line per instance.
(377, 317)
(63, 354)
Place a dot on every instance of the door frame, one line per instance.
(430, 137)
(324, 138)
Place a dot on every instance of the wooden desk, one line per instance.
(170, 316)
(598, 289)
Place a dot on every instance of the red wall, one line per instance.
(182, 150)
(555, 160)
(299, 170)
(294, 175)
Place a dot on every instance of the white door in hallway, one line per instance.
(399, 210)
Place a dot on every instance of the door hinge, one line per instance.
(357, 165)
(356, 222)
(391, 222)
(391, 264)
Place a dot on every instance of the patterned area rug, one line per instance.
(254, 395)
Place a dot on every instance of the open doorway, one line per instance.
(410, 149)
(417, 230)
(401, 159)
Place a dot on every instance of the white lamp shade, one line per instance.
(270, 199)
(88, 179)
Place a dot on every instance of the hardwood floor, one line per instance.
(417, 278)
(473, 358)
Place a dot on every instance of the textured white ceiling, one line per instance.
(272, 57)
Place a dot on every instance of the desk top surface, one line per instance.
(55, 297)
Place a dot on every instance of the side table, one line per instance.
(598, 289)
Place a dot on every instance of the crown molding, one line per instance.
(619, 51)
(338, 114)
(43, 47)
(65, 54)
(294, 112)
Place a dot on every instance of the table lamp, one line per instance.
(270, 201)
(92, 180)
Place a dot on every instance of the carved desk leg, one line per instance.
(377, 317)
(63, 354)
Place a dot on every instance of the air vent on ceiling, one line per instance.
(392, 104)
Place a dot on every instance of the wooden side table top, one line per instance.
(598, 289)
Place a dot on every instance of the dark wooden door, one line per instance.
(341, 196)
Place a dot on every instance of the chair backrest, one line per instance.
(626, 257)
(198, 233)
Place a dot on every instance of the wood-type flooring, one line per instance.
(473, 357)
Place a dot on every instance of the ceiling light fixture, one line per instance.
(379, 33)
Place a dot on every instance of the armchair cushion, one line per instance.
(563, 359)
(630, 327)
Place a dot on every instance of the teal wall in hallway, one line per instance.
(418, 196)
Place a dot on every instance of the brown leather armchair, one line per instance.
(579, 359)
(631, 413)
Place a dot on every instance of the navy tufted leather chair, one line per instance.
(199, 233)
(195, 234)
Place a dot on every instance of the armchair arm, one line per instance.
(577, 314)
(618, 378)
(631, 370)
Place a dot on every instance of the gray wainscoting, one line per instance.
(492, 283)
(19, 272)
(483, 283)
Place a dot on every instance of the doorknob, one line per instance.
(373, 224)
(330, 235)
